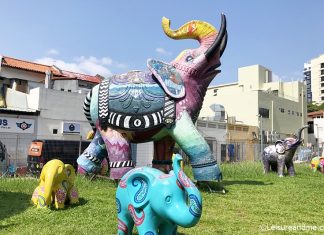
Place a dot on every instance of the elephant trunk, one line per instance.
(195, 29)
(299, 132)
(189, 214)
(49, 181)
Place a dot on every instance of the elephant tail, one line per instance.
(86, 110)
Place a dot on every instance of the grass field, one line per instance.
(254, 204)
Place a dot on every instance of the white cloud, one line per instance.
(162, 51)
(275, 77)
(86, 65)
(293, 76)
(52, 52)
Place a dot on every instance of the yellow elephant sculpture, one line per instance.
(56, 186)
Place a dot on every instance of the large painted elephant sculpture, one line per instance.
(281, 154)
(160, 105)
(156, 202)
(56, 185)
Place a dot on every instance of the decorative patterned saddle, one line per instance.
(134, 101)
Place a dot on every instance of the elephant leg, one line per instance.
(266, 164)
(73, 195)
(143, 229)
(119, 153)
(90, 160)
(281, 167)
(60, 197)
(290, 168)
(163, 150)
(274, 167)
(125, 224)
(168, 229)
(204, 165)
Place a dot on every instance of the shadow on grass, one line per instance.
(12, 203)
(220, 187)
(245, 182)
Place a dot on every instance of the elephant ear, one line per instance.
(138, 185)
(168, 77)
(70, 172)
(280, 147)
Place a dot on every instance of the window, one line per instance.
(215, 92)
(322, 91)
(292, 112)
(54, 131)
(288, 111)
(69, 90)
(263, 112)
(282, 110)
(322, 65)
(322, 85)
(297, 113)
(322, 78)
(62, 89)
(245, 129)
(322, 72)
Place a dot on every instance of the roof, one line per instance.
(26, 65)
(316, 113)
(58, 74)
(67, 75)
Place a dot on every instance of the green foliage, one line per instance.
(253, 202)
(312, 107)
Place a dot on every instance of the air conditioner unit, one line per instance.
(71, 128)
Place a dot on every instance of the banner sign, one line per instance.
(17, 125)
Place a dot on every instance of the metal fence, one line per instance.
(17, 146)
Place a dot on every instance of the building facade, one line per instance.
(40, 102)
(277, 108)
(314, 78)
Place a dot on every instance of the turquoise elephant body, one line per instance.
(156, 202)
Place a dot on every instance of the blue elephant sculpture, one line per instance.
(157, 202)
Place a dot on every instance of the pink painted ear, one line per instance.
(168, 77)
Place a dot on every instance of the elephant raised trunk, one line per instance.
(191, 215)
(299, 132)
(191, 30)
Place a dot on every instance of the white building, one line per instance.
(278, 108)
(316, 131)
(314, 77)
(40, 102)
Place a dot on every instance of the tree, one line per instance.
(313, 107)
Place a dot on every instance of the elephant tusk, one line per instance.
(218, 41)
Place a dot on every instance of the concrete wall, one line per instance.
(66, 85)
(57, 107)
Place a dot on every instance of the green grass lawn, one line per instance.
(254, 202)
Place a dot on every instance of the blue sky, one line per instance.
(109, 37)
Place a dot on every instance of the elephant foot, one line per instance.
(207, 172)
(281, 175)
(211, 187)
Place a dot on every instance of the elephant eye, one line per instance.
(189, 58)
(168, 199)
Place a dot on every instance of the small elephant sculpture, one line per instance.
(157, 202)
(317, 163)
(56, 185)
(281, 154)
(160, 104)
